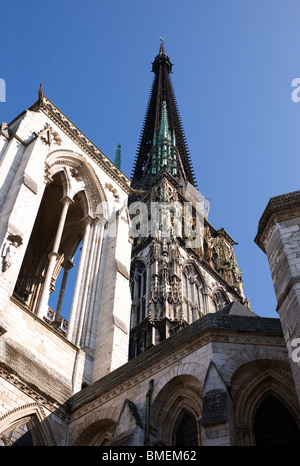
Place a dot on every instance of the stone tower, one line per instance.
(182, 268)
(278, 236)
(59, 194)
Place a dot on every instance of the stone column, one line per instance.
(87, 221)
(89, 325)
(279, 238)
(86, 285)
(42, 309)
(67, 266)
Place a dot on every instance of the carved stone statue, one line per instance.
(8, 252)
(4, 129)
(210, 244)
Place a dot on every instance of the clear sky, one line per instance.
(234, 63)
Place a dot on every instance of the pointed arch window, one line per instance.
(138, 288)
(274, 425)
(185, 432)
(32, 276)
(219, 299)
(193, 301)
(25, 432)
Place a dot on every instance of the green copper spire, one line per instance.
(117, 160)
(164, 125)
(163, 153)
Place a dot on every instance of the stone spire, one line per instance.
(162, 107)
(182, 268)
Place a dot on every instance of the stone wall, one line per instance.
(279, 237)
(189, 370)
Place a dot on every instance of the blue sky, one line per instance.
(234, 62)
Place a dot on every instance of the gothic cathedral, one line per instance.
(160, 346)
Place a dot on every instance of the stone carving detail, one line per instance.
(99, 206)
(193, 291)
(176, 292)
(209, 243)
(75, 174)
(220, 256)
(9, 250)
(4, 130)
(113, 190)
(170, 216)
(219, 299)
(48, 136)
(164, 192)
(165, 296)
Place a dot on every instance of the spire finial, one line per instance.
(162, 48)
(117, 160)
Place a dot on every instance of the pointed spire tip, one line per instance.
(162, 47)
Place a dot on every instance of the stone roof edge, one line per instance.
(57, 116)
(275, 205)
(210, 322)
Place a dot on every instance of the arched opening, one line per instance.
(185, 431)
(193, 302)
(100, 433)
(30, 281)
(138, 287)
(274, 425)
(219, 299)
(176, 412)
(25, 432)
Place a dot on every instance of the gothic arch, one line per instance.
(80, 176)
(181, 394)
(139, 290)
(186, 369)
(251, 384)
(97, 434)
(219, 298)
(194, 264)
(94, 428)
(185, 431)
(36, 258)
(255, 356)
(70, 180)
(139, 259)
(274, 424)
(37, 425)
(192, 276)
